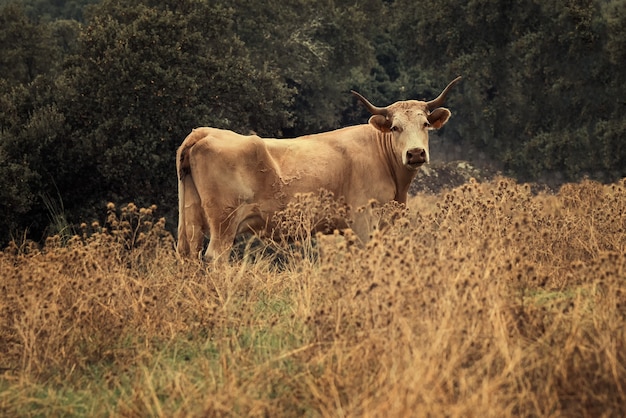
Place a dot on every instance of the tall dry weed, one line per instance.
(487, 299)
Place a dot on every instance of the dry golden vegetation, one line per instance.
(487, 300)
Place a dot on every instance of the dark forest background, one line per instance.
(95, 96)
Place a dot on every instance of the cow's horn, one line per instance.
(373, 109)
(433, 104)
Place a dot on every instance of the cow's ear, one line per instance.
(381, 123)
(438, 117)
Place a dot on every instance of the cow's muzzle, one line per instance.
(415, 157)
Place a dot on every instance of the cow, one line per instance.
(230, 184)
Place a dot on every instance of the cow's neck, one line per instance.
(399, 174)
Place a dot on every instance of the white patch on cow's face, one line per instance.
(410, 129)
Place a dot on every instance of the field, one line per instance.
(486, 300)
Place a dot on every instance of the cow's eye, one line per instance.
(426, 124)
(394, 128)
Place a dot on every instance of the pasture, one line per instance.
(484, 300)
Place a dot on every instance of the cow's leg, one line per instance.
(361, 225)
(223, 232)
(192, 225)
(195, 229)
(224, 229)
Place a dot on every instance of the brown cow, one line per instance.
(230, 184)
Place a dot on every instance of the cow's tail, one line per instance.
(192, 224)
(183, 246)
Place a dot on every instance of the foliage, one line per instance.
(319, 51)
(96, 95)
(27, 47)
(154, 72)
(542, 78)
(47, 10)
(483, 300)
(141, 77)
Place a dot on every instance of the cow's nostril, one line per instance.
(416, 156)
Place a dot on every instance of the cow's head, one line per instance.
(409, 122)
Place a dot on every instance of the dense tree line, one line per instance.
(96, 96)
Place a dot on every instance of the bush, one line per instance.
(486, 299)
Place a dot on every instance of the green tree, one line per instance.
(143, 75)
(322, 50)
(94, 112)
(29, 122)
(611, 130)
(539, 85)
(561, 78)
(26, 47)
(49, 10)
(146, 74)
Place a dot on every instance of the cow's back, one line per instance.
(311, 163)
(347, 162)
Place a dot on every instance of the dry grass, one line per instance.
(482, 301)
